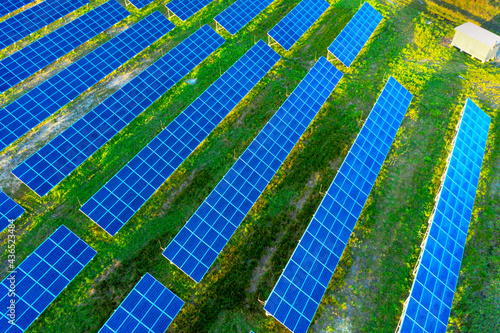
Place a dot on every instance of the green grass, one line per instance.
(374, 276)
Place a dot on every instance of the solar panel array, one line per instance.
(298, 292)
(41, 277)
(51, 47)
(34, 107)
(25, 23)
(354, 36)
(9, 210)
(51, 164)
(289, 30)
(431, 296)
(240, 14)
(149, 308)
(184, 9)
(8, 6)
(197, 245)
(117, 201)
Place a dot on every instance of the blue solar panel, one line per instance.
(240, 14)
(51, 164)
(197, 245)
(117, 201)
(298, 292)
(354, 36)
(9, 210)
(184, 9)
(51, 47)
(149, 308)
(431, 296)
(289, 30)
(41, 277)
(25, 23)
(8, 6)
(34, 107)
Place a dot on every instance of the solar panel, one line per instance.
(240, 14)
(31, 109)
(8, 6)
(117, 201)
(431, 296)
(9, 210)
(51, 47)
(354, 36)
(289, 30)
(40, 278)
(25, 23)
(184, 9)
(300, 288)
(51, 164)
(150, 308)
(197, 245)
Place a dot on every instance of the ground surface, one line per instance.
(375, 274)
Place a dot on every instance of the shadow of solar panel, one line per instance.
(431, 296)
(184, 9)
(354, 36)
(25, 23)
(8, 6)
(240, 14)
(149, 307)
(9, 210)
(117, 201)
(49, 48)
(41, 277)
(298, 292)
(289, 30)
(197, 245)
(34, 107)
(51, 164)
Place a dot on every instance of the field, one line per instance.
(374, 276)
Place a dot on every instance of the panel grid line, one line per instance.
(184, 9)
(431, 296)
(218, 217)
(51, 164)
(51, 47)
(240, 14)
(300, 288)
(9, 210)
(42, 276)
(163, 155)
(300, 19)
(25, 23)
(9, 6)
(20, 116)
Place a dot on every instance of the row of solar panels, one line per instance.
(195, 248)
(32, 286)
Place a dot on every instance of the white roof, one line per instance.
(478, 33)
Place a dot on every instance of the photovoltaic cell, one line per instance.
(8, 6)
(51, 47)
(431, 296)
(149, 308)
(117, 201)
(289, 30)
(31, 109)
(41, 277)
(240, 14)
(197, 245)
(51, 164)
(184, 9)
(9, 210)
(298, 292)
(25, 23)
(354, 36)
